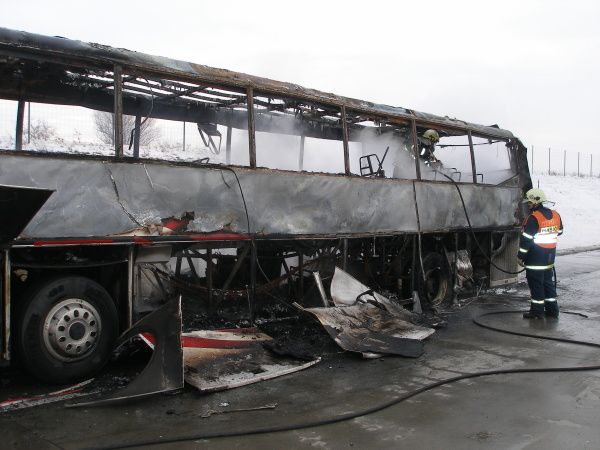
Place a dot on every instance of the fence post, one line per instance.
(548, 160)
(184, 136)
(564, 163)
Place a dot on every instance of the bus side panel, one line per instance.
(106, 198)
(440, 206)
(102, 198)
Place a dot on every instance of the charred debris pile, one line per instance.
(306, 317)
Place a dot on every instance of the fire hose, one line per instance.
(382, 406)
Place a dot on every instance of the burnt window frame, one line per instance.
(457, 131)
(354, 114)
(72, 67)
(195, 92)
(513, 159)
(329, 109)
(344, 109)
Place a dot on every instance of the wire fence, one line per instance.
(563, 162)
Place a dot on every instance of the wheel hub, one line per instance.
(72, 329)
(77, 331)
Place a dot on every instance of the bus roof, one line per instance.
(22, 44)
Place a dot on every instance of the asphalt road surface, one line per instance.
(517, 411)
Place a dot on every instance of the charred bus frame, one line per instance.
(402, 234)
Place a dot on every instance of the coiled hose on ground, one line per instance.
(390, 403)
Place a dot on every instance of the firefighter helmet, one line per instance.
(535, 196)
(432, 135)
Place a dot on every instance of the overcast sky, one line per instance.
(528, 66)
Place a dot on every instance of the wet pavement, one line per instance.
(534, 411)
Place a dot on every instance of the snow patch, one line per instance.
(575, 199)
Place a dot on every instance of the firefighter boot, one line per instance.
(551, 306)
(536, 310)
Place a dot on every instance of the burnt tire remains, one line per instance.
(435, 288)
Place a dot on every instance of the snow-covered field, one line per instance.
(576, 199)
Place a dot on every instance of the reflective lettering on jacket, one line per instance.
(548, 230)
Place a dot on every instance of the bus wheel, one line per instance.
(435, 287)
(67, 329)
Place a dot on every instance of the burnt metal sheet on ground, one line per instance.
(367, 322)
(101, 198)
(216, 360)
(366, 328)
(440, 206)
(29, 401)
(164, 372)
(348, 291)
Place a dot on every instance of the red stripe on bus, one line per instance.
(238, 330)
(73, 242)
(144, 240)
(200, 342)
(221, 237)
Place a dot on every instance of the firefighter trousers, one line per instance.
(542, 286)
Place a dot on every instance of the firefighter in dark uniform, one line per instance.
(427, 146)
(537, 250)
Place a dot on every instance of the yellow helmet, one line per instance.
(432, 135)
(535, 196)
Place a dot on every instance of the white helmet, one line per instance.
(432, 135)
(535, 196)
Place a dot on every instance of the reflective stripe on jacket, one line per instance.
(548, 229)
(537, 246)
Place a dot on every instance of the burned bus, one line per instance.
(268, 183)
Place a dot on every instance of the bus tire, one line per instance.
(435, 288)
(67, 329)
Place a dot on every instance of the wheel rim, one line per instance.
(72, 329)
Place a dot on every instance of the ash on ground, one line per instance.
(293, 334)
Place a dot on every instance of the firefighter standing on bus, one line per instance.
(537, 251)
